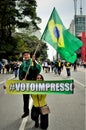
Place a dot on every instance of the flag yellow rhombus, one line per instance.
(56, 33)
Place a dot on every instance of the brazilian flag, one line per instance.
(60, 38)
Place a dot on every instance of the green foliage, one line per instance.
(15, 14)
(31, 43)
(13, 48)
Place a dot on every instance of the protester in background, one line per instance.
(84, 64)
(3, 68)
(75, 66)
(15, 68)
(0, 67)
(28, 70)
(68, 65)
(38, 102)
(7, 66)
(52, 66)
(56, 67)
(46, 66)
(43, 66)
(11, 67)
(59, 67)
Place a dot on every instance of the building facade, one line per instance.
(80, 24)
(78, 28)
(72, 27)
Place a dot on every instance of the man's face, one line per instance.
(26, 56)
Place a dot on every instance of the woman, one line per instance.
(38, 102)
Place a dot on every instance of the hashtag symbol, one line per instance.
(12, 87)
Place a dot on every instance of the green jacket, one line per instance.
(34, 69)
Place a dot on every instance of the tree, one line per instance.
(27, 9)
(31, 43)
(15, 46)
(15, 14)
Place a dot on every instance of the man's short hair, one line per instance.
(25, 52)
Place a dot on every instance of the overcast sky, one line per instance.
(65, 9)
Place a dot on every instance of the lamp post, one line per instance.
(75, 12)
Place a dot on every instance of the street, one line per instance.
(67, 111)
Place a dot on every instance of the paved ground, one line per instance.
(67, 111)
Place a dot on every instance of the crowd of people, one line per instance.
(9, 68)
(58, 65)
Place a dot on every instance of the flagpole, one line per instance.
(37, 48)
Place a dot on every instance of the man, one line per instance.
(59, 64)
(68, 66)
(15, 68)
(28, 70)
(0, 67)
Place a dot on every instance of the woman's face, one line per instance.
(39, 77)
